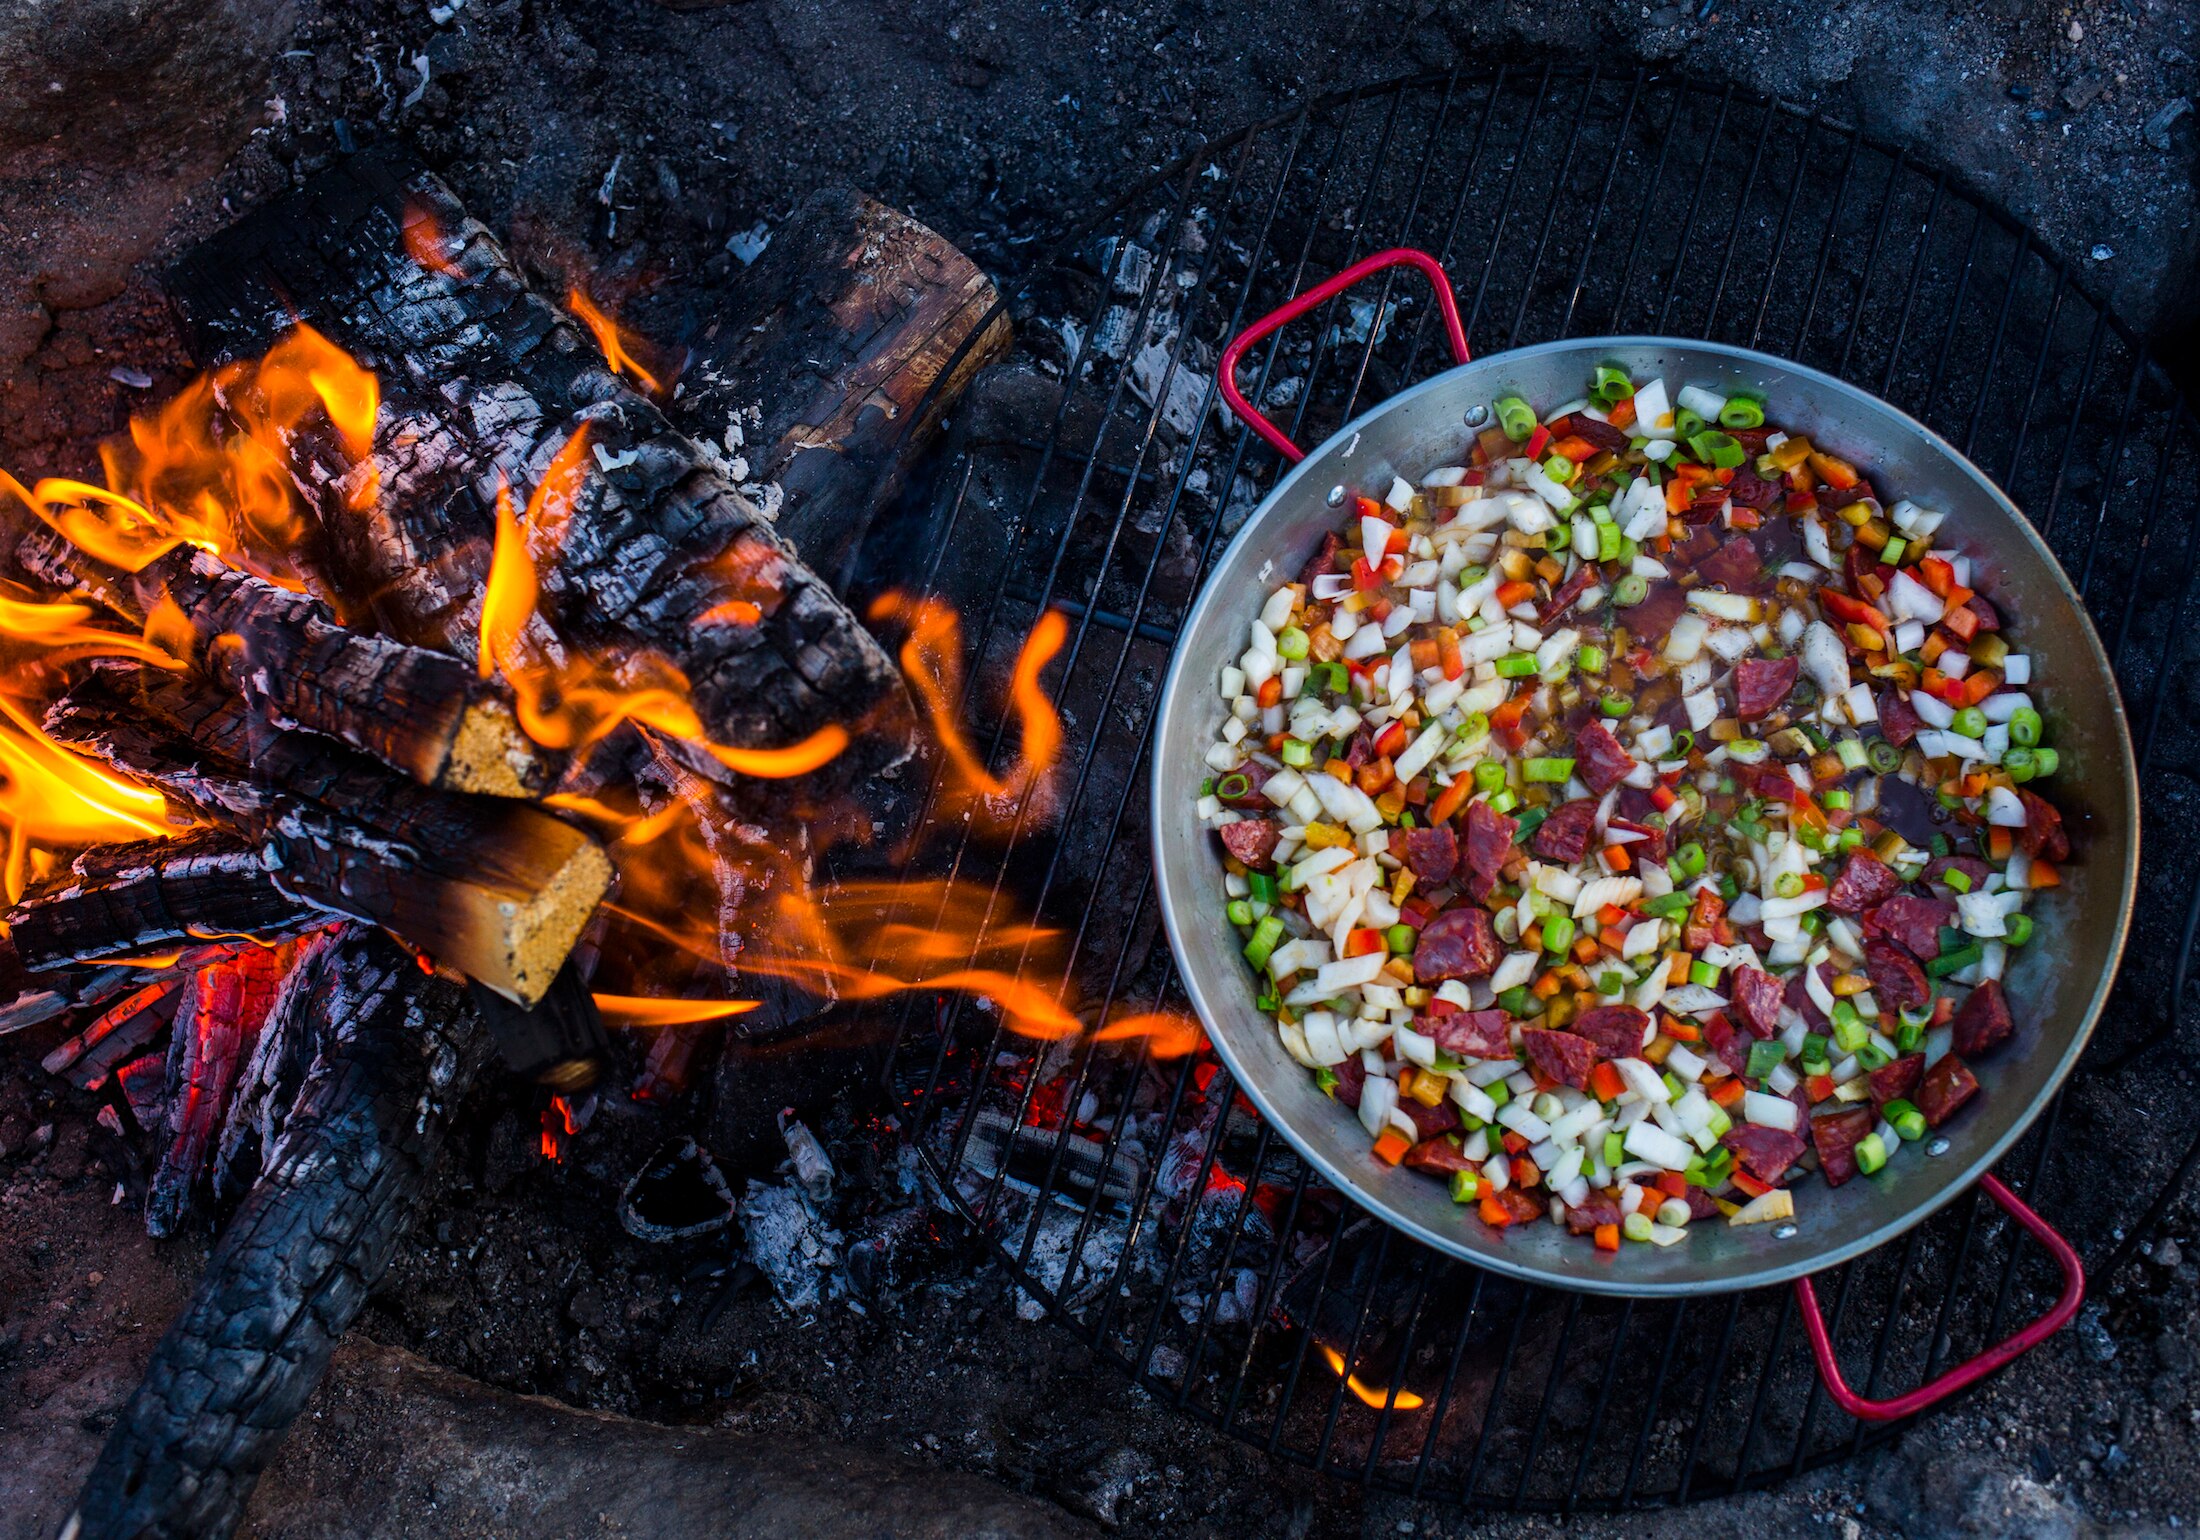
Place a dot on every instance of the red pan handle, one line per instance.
(1397, 256)
(1867, 1410)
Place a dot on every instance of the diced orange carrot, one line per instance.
(1611, 914)
(1676, 972)
(1495, 1214)
(1727, 1092)
(1750, 1184)
(1623, 415)
(1935, 645)
(1525, 1173)
(1270, 692)
(1392, 1146)
(1998, 843)
(1586, 949)
(2044, 875)
(1546, 986)
(1617, 858)
(1450, 799)
(1676, 497)
(1607, 1237)
(1604, 1082)
(1574, 447)
(1683, 1031)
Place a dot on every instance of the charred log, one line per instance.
(559, 1042)
(850, 338)
(394, 1052)
(34, 997)
(124, 899)
(120, 1032)
(425, 713)
(483, 383)
(497, 889)
(218, 1019)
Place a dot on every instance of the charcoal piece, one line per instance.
(395, 1050)
(484, 382)
(678, 1194)
(143, 896)
(558, 1042)
(120, 1032)
(850, 337)
(426, 714)
(496, 888)
(1069, 1167)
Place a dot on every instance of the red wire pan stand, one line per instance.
(1859, 1406)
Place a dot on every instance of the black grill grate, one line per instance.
(1166, 1225)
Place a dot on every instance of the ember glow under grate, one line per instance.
(1146, 1207)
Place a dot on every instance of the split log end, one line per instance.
(491, 754)
(512, 928)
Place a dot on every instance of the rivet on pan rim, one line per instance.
(1477, 415)
(1784, 1233)
(1336, 495)
(1939, 1146)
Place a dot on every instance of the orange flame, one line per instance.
(61, 625)
(572, 704)
(557, 1127)
(212, 467)
(427, 244)
(652, 1011)
(931, 657)
(50, 796)
(625, 351)
(1401, 1400)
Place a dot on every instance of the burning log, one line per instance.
(393, 1052)
(497, 889)
(121, 1031)
(658, 555)
(218, 1020)
(852, 335)
(424, 713)
(124, 899)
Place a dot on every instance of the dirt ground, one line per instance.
(640, 141)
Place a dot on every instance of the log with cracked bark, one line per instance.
(849, 340)
(425, 713)
(124, 899)
(393, 1051)
(495, 888)
(483, 383)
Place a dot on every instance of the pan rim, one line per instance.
(1807, 1261)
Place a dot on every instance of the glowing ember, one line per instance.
(427, 244)
(557, 1127)
(1403, 1400)
(931, 658)
(626, 352)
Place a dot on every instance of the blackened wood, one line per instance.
(268, 1088)
(124, 899)
(395, 1051)
(422, 712)
(33, 998)
(560, 1042)
(483, 382)
(495, 888)
(848, 341)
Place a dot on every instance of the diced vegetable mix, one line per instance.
(1610, 816)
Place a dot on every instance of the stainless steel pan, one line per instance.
(2057, 985)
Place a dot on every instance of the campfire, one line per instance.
(412, 690)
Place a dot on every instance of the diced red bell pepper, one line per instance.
(1848, 610)
(1368, 508)
(1962, 621)
(1575, 448)
(1936, 574)
(1365, 578)
(1537, 440)
(1364, 942)
(1392, 740)
(1505, 721)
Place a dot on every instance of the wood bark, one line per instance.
(425, 713)
(495, 888)
(483, 382)
(149, 895)
(393, 1053)
(839, 352)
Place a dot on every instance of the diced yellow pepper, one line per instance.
(1326, 836)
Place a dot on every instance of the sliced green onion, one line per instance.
(1515, 417)
(1852, 753)
(1909, 1035)
(2020, 764)
(1615, 706)
(1686, 424)
(1234, 787)
(2024, 727)
(1891, 552)
(1591, 659)
(2018, 928)
(1558, 933)
(1954, 961)
(1719, 449)
(1517, 1001)
(1612, 385)
(1742, 412)
(1693, 859)
(1683, 742)
(1466, 1186)
(1297, 753)
(1885, 758)
(1835, 798)
(1788, 885)
(1813, 1055)
(1703, 973)
(1261, 886)
(1871, 1153)
(1636, 1227)
(1291, 643)
(1240, 912)
(1516, 665)
(1400, 938)
(1504, 801)
(1666, 906)
(1489, 775)
(1970, 722)
(1849, 1029)
(1905, 1118)
(1615, 1150)
(1630, 590)
(1267, 936)
(1609, 540)
(1957, 878)
(1561, 470)
(1554, 772)
(2046, 760)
